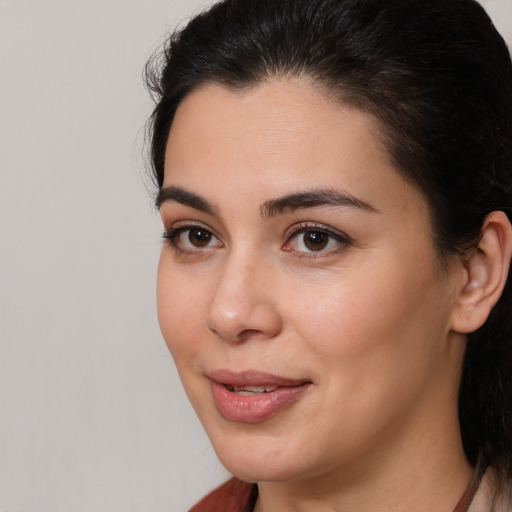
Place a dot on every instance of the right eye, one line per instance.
(191, 238)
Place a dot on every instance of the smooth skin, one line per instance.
(346, 292)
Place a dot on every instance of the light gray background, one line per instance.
(92, 414)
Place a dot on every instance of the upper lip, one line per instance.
(252, 378)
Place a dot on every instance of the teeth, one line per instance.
(248, 390)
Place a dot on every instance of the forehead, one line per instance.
(281, 118)
(280, 107)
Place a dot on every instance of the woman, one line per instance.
(335, 180)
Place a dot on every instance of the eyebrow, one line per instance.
(312, 199)
(186, 198)
(272, 207)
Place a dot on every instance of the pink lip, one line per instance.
(260, 406)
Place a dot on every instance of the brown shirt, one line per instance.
(233, 496)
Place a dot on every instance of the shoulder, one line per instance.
(233, 496)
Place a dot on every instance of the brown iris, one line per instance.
(199, 237)
(315, 240)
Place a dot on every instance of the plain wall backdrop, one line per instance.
(92, 414)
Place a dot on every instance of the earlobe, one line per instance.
(485, 274)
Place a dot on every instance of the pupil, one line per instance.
(199, 237)
(315, 240)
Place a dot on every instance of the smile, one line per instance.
(250, 390)
(253, 397)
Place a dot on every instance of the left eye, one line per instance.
(312, 241)
(316, 240)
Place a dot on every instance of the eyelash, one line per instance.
(341, 239)
(171, 237)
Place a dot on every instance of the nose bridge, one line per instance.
(242, 304)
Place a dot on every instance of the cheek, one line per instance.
(375, 329)
(374, 348)
(179, 308)
(180, 315)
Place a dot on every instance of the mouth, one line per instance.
(253, 397)
(250, 390)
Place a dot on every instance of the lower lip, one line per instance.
(257, 408)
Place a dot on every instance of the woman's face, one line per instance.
(298, 287)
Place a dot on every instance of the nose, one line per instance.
(242, 306)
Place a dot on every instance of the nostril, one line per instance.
(247, 332)
(242, 316)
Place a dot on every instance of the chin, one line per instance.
(253, 471)
(258, 460)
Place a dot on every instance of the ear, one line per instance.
(484, 275)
